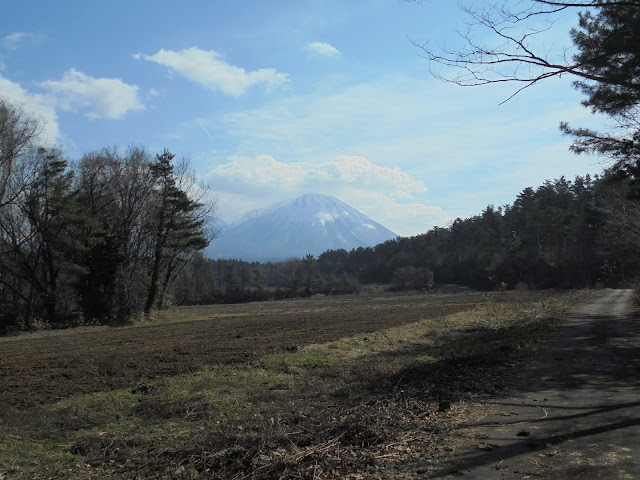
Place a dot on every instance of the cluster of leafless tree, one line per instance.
(205, 280)
(97, 240)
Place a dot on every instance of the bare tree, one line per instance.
(18, 130)
(118, 192)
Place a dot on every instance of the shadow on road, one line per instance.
(574, 414)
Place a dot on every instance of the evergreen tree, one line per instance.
(608, 43)
(178, 230)
(51, 249)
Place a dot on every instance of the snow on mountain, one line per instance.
(310, 224)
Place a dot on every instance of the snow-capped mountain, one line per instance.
(310, 224)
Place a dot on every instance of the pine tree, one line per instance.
(55, 218)
(178, 230)
(608, 43)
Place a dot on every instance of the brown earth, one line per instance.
(45, 367)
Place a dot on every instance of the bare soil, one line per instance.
(42, 368)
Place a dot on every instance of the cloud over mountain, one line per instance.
(345, 169)
(356, 169)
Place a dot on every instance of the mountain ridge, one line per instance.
(309, 224)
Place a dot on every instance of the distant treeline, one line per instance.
(204, 280)
(564, 234)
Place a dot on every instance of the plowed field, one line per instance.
(44, 367)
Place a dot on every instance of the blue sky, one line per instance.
(270, 100)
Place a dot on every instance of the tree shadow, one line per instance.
(595, 358)
(527, 445)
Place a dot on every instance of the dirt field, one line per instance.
(368, 386)
(45, 367)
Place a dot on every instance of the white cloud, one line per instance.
(260, 171)
(103, 97)
(11, 41)
(355, 169)
(322, 48)
(40, 106)
(345, 170)
(385, 194)
(206, 68)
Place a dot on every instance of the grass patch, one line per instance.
(300, 362)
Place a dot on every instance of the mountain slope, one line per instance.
(310, 224)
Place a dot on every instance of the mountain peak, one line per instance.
(309, 224)
(314, 200)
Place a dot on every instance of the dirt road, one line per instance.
(575, 414)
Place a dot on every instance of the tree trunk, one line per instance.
(165, 284)
(153, 286)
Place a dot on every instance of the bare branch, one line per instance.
(18, 130)
(514, 48)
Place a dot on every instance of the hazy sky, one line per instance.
(272, 99)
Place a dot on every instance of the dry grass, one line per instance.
(364, 406)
